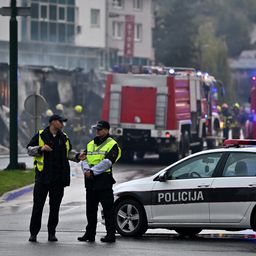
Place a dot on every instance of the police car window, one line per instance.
(240, 165)
(201, 166)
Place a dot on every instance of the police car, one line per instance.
(212, 189)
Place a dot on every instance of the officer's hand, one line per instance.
(88, 174)
(46, 148)
(82, 156)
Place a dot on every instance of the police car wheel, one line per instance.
(130, 218)
(188, 231)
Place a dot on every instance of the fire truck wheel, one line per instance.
(184, 144)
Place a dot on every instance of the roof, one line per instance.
(246, 60)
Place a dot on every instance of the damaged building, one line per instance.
(58, 87)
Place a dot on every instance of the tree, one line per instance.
(235, 28)
(213, 56)
(204, 34)
(174, 35)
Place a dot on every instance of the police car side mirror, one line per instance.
(162, 177)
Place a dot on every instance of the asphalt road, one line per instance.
(15, 215)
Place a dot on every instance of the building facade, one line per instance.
(61, 46)
(142, 14)
(81, 33)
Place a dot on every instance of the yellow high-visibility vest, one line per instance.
(39, 160)
(95, 154)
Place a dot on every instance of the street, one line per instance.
(15, 216)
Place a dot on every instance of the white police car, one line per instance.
(213, 189)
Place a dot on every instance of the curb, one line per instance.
(8, 196)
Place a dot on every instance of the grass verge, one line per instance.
(13, 179)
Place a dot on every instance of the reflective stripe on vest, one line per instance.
(39, 160)
(95, 154)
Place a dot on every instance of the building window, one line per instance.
(43, 12)
(62, 14)
(137, 5)
(118, 4)
(95, 17)
(61, 33)
(53, 32)
(138, 32)
(70, 33)
(34, 31)
(53, 21)
(117, 29)
(34, 11)
(43, 31)
(53, 12)
(70, 14)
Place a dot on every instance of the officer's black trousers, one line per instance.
(56, 192)
(93, 198)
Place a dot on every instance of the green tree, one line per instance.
(204, 34)
(235, 28)
(174, 35)
(213, 57)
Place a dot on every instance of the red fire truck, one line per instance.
(168, 113)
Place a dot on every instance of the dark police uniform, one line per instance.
(99, 186)
(52, 174)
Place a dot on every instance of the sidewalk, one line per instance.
(22, 158)
(8, 196)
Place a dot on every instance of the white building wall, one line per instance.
(143, 48)
(96, 36)
(91, 36)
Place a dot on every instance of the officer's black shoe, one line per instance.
(52, 238)
(108, 239)
(32, 239)
(86, 238)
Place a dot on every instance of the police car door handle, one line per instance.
(252, 185)
(203, 186)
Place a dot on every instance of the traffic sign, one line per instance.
(35, 104)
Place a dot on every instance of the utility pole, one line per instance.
(13, 58)
(13, 11)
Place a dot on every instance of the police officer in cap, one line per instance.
(101, 153)
(51, 149)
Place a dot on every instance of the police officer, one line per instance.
(226, 119)
(102, 152)
(51, 149)
(236, 121)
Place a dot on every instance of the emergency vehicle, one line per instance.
(160, 110)
(251, 124)
(211, 189)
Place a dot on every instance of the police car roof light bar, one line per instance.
(238, 143)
